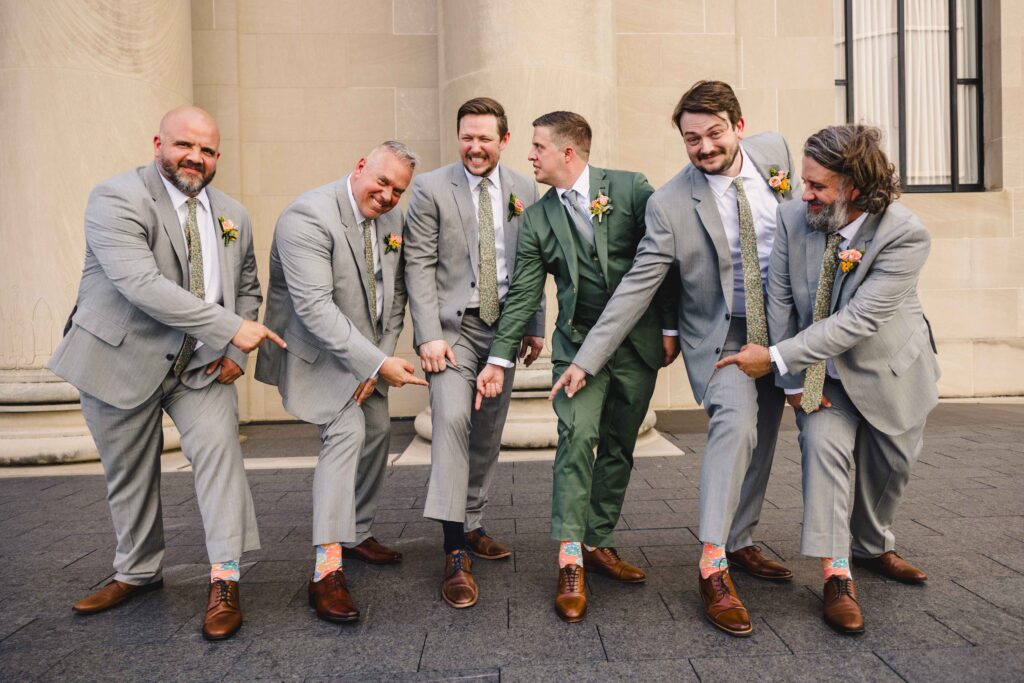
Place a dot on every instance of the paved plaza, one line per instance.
(962, 521)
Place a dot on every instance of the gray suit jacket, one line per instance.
(684, 234)
(443, 250)
(317, 300)
(877, 334)
(134, 308)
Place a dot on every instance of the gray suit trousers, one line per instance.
(130, 442)
(832, 440)
(350, 472)
(745, 416)
(465, 443)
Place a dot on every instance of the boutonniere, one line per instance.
(227, 230)
(515, 206)
(848, 259)
(778, 180)
(392, 243)
(600, 206)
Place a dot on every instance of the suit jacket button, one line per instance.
(726, 316)
(472, 284)
(170, 356)
(718, 350)
(458, 312)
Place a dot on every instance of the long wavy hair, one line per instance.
(854, 151)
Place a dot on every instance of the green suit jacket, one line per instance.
(546, 245)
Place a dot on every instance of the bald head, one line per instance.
(186, 148)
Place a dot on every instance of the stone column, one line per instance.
(533, 56)
(83, 84)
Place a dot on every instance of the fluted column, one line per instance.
(83, 84)
(533, 56)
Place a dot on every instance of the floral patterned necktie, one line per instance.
(814, 377)
(489, 309)
(371, 275)
(195, 280)
(753, 294)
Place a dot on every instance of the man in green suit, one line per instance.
(585, 232)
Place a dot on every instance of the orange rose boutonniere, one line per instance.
(600, 206)
(778, 180)
(515, 206)
(848, 259)
(228, 231)
(392, 243)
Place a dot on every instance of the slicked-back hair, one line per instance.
(568, 129)
(400, 150)
(483, 106)
(708, 97)
(854, 151)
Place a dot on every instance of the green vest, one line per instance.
(592, 295)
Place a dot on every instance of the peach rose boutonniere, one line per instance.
(392, 243)
(228, 231)
(600, 206)
(848, 259)
(779, 180)
(515, 206)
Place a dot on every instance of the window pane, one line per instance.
(967, 129)
(876, 101)
(927, 95)
(840, 104)
(839, 32)
(967, 39)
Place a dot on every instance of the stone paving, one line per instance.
(962, 521)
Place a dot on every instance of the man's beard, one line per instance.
(187, 184)
(831, 217)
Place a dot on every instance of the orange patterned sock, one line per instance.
(328, 559)
(712, 559)
(836, 566)
(224, 571)
(569, 552)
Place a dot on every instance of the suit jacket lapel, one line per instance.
(762, 170)
(860, 241)
(227, 274)
(510, 227)
(712, 222)
(599, 186)
(388, 263)
(470, 222)
(559, 222)
(353, 233)
(168, 216)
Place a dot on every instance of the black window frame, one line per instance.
(954, 134)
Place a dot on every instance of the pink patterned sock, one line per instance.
(224, 571)
(569, 552)
(836, 566)
(328, 559)
(712, 559)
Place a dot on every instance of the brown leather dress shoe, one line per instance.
(891, 566)
(607, 561)
(330, 598)
(485, 547)
(753, 562)
(223, 611)
(373, 552)
(111, 595)
(571, 599)
(458, 588)
(722, 605)
(841, 610)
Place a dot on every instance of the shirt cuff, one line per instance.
(792, 392)
(494, 360)
(773, 351)
(670, 333)
(375, 372)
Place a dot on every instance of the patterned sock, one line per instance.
(224, 571)
(836, 566)
(328, 559)
(712, 559)
(569, 552)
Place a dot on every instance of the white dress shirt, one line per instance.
(208, 236)
(848, 233)
(378, 273)
(763, 206)
(498, 212)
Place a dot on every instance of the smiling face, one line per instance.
(480, 144)
(828, 196)
(186, 149)
(712, 143)
(379, 181)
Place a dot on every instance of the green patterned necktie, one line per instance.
(814, 377)
(371, 275)
(195, 280)
(489, 309)
(753, 294)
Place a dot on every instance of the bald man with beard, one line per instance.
(165, 315)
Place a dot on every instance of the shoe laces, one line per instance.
(843, 586)
(718, 583)
(572, 576)
(457, 561)
(613, 553)
(223, 590)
